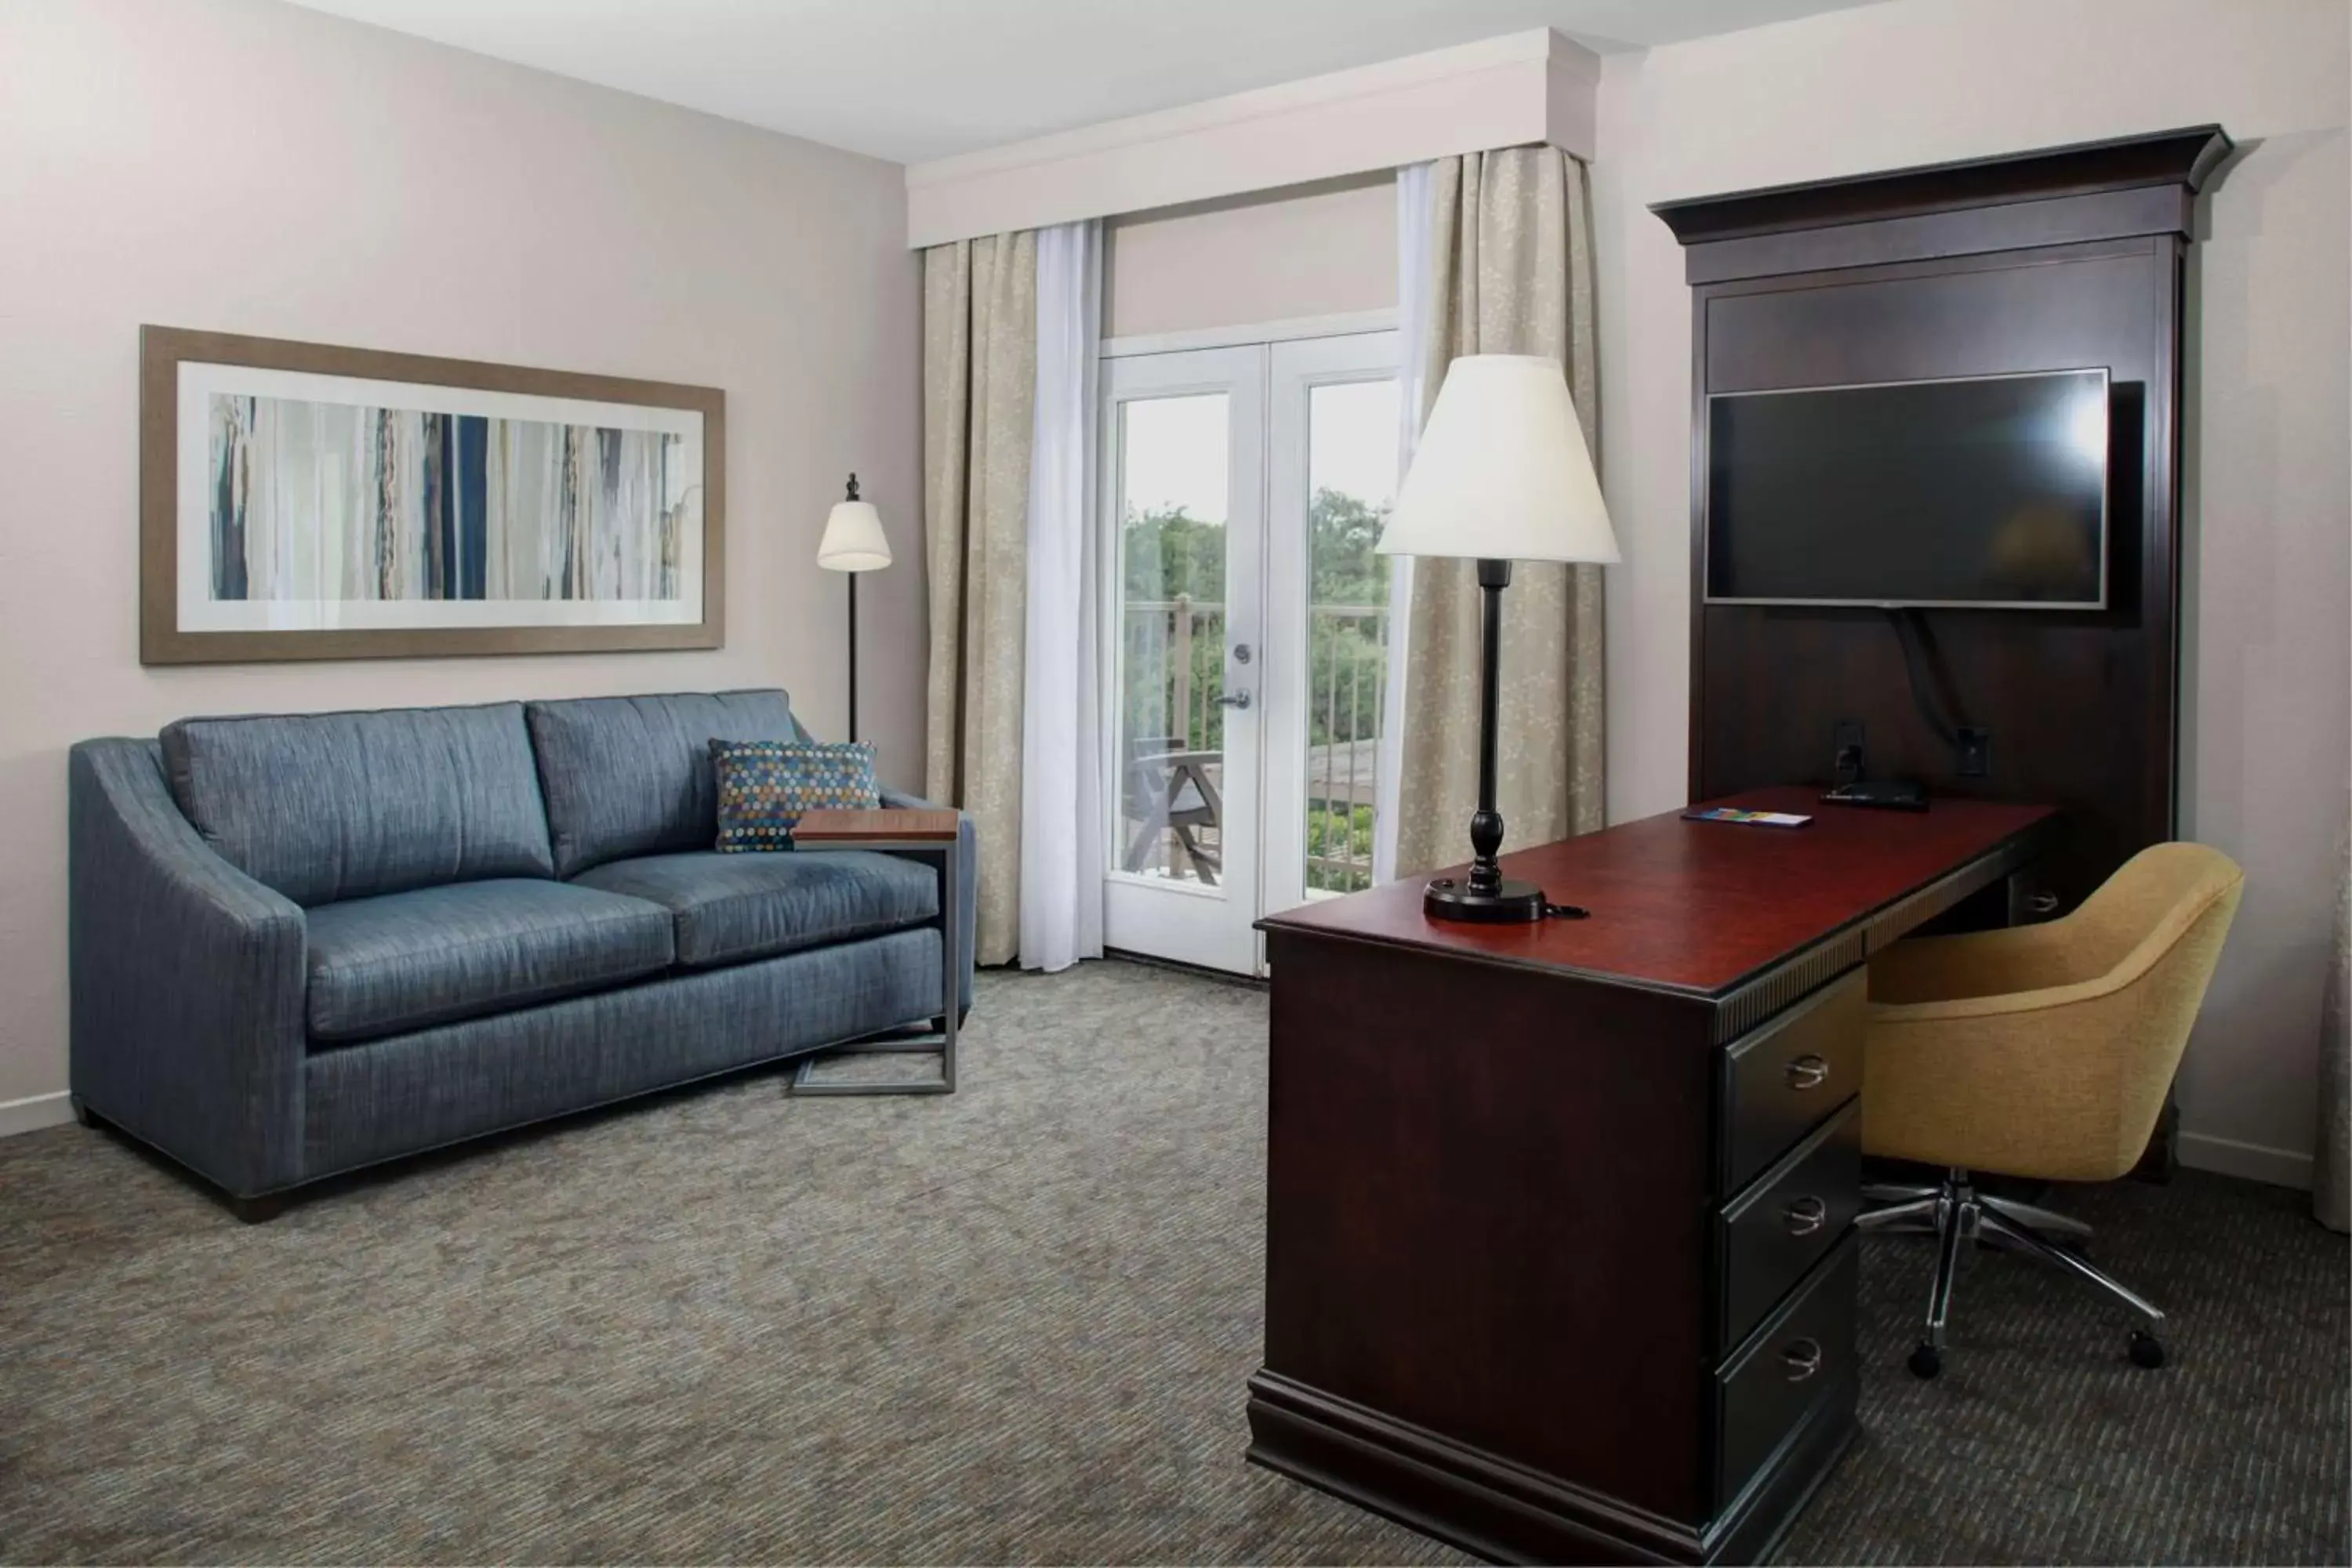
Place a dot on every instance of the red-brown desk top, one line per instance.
(1696, 905)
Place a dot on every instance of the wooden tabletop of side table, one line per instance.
(914, 826)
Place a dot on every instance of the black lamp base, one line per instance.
(1450, 898)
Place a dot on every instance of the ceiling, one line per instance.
(914, 80)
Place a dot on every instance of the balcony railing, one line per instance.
(1347, 687)
(1175, 671)
(1172, 739)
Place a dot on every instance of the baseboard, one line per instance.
(2255, 1162)
(35, 1112)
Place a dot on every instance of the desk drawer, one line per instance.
(1804, 1350)
(1790, 1216)
(1780, 1078)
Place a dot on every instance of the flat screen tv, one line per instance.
(1988, 492)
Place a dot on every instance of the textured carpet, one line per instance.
(1011, 1324)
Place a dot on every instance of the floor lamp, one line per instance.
(852, 544)
(1501, 474)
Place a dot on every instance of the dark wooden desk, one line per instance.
(1558, 1255)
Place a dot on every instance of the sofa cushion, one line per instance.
(323, 806)
(631, 775)
(371, 1100)
(406, 961)
(731, 907)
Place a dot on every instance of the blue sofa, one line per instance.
(305, 943)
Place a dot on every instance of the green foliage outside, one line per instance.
(1166, 553)
(1335, 833)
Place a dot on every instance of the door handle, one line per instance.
(1801, 1359)
(1234, 699)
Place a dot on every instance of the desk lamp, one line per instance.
(853, 543)
(1501, 475)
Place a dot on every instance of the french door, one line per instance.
(1244, 635)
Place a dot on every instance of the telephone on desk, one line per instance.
(1887, 795)
(1892, 795)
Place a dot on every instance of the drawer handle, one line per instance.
(2043, 903)
(1805, 1215)
(1803, 1358)
(1808, 1072)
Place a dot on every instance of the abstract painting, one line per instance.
(317, 502)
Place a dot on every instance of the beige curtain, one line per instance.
(1510, 272)
(979, 354)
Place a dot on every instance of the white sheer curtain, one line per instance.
(1415, 304)
(1061, 774)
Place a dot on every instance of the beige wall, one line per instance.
(247, 166)
(1323, 249)
(2265, 675)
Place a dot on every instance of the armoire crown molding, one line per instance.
(1517, 89)
(2118, 188)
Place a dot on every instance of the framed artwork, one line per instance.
(299, 501)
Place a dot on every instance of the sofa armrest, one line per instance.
(966, 875)
(187, 980)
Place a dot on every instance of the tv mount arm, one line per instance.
(1931, 689)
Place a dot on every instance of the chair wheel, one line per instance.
(1927, 1360)
(2146, 1350)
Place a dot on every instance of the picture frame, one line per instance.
(304, 501)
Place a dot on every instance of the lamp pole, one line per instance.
(1501, 474)
(853, 628)
(1486, 824)
(1485, 896)
(852, 544)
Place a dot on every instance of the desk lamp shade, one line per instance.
(1501, 474)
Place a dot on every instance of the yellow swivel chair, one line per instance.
(2042, 1051)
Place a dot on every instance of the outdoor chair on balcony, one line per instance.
(1169, 791)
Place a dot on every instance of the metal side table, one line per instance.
(900, 833)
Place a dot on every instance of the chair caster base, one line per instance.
(2146, 1350)
(1926, 1361)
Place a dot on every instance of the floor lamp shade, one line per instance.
(853, 540)
(1501, 474)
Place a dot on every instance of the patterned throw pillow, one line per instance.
(765, 787)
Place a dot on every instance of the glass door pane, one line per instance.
(1331, 463)
(1352, 481)
(1175, 476)
(1183, 486)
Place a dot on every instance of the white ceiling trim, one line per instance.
(1522, 89)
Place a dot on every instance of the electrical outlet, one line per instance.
(1973, 751)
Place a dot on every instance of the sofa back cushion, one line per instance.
(631, 775)
(323, 806)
